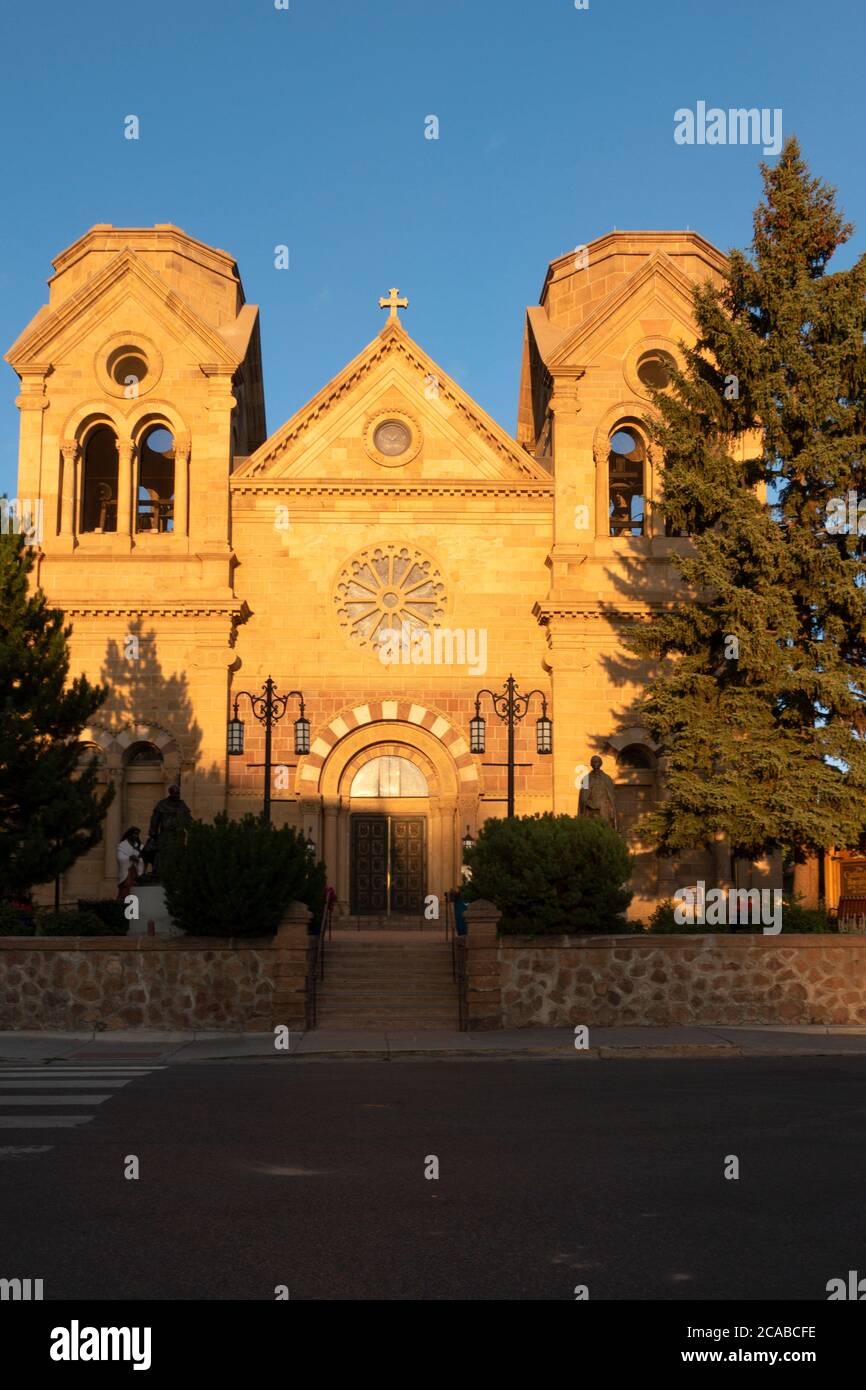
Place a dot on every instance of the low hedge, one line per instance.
(109, 910)
(16, 921)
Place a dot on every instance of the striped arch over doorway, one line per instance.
(387, 711)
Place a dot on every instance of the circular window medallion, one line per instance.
(392, 438)
(388, 588)
(128, 365)
(654, 370)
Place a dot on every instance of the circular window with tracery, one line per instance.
(388, 589)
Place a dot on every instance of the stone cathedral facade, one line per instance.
(388, 552)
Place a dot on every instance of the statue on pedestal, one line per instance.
(598, 795)
(170, 817)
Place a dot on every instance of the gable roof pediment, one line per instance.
(126, 275)
(391, 367)
(657, 279)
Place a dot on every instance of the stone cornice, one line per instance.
(109, 608)
(587, 610)
(349, 487)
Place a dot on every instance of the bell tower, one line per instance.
(141, 388)
(604, 335)
(140, 384)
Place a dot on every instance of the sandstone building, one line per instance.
(195, 554)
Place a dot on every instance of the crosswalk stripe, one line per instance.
(43, 1121)
(58, 1083)
(53, 1100)
(71, 1071)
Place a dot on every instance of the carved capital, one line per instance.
(125, 451)
(181, 447)
(600, 452)
(32, 401)
(69, 450)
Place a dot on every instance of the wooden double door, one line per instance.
(388, 864)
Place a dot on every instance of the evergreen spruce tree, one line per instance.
(758, 693)
(50, 809)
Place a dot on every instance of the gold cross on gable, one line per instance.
(393, 302)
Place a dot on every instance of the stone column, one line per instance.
(125, 510)
(290, 967)
(483, 979)
(807, 882)
(331, 814)
(111, 828)
(600, 454)
(32, 402)
(572, 477)
(722, 861)
(69, 450)
(181, 485)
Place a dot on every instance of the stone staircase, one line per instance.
(415, 923)
(378, 983)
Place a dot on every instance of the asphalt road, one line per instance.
(311, 1174)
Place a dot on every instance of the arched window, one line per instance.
(155, 504)
(99, 481)
(143, 755)
(389, 777)
(636, 755)
(626, 466)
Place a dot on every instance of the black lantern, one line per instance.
(476, 734)
(311, 845)
(236, 737)
(302, 735)
(543, 735)
(468, 842)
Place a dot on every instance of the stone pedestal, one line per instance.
(151, 908)
(291, 945)
(483, 982)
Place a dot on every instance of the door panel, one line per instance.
(369, 864)
(407, 863)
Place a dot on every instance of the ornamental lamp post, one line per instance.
(268, 709)
(511, 707)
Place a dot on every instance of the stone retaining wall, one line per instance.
(670, 980)
(177, 983)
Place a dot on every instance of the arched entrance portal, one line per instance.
(391, 800)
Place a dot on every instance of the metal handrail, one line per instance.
(316, 965)
(312, 1002)
(459, 975)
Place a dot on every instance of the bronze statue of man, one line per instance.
(598, 794)
(170, 816)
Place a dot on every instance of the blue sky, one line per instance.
(305, 127)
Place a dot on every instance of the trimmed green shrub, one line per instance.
(71, 923)
(664, 923)
(805, 919)
(237, 877)
(552, 874)
(108, 910)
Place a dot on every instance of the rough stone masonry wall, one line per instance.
(190, 984)
(669, 980)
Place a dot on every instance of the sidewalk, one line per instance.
(605, 1044)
